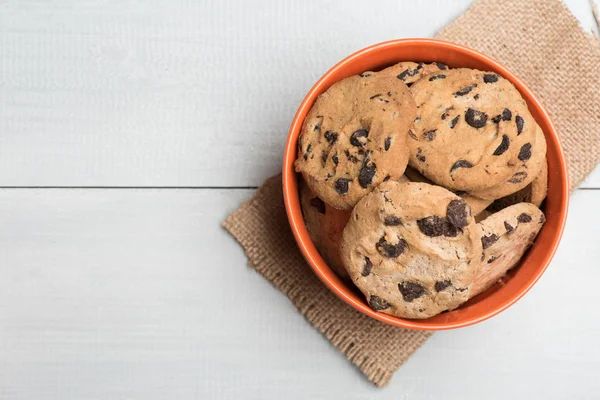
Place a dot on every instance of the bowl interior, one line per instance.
(535, 261)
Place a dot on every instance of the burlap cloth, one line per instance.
(541, 42)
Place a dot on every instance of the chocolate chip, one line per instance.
(389, 94)
(350, 157)
(366, 74)
(493, 258)
(366, 173)
(318, 204)
(461, 164)
(419, 65)
(305, 157)
(412, 134)
(518, 177)
(392, 220)
(464, 91)
(524, 218)
(457, 213)
(367, 267)
(490, 78)
(410, 291)
(509, 228)
(436, 77)
(476, 97)
(441, 66)
(487, 241)
(408, 72)
(335, 159)
(387, 178)
(454, 121)
(420, 156)
(378, 304)
(430, 135)
(520, 123)
(309, 148)
(525, 152)
(341, 185)
(434, 226)
(390, 250)
(331, 137)
(475, 118)
(501, 149)
(387, 143)
(460, 192)
(482, 256)
(441, 285)
(505, 116)
(324, 157)
(356, 137)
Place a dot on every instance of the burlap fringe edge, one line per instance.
(261, 263)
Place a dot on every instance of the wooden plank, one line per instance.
(139, 294)
(182, 93)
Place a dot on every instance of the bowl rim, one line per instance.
(298, 227)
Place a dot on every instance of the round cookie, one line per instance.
(477, 205)
(409, 72)
(532, 162)
(505, 236)
(472, 129)
(325, 225)
(534, 193)
(354, 137)
(412, 249)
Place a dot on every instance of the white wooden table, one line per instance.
(130, 129)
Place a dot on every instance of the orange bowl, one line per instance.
(536, 260)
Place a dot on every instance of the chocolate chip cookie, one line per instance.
(325, 225)
(534, 193)
(412, 249)
(355, 137)
(472, 130)
(505, 236)
(477, 205)
(531, 165)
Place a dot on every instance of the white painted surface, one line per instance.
(139, 294)
(177, 93)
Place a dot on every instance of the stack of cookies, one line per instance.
(422, 184)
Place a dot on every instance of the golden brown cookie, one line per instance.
(354, 138)
(412, 249)
(534, 193)
(505, 236)
(325, 225)
(477, 205)
(472, 131)
(528, 170)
